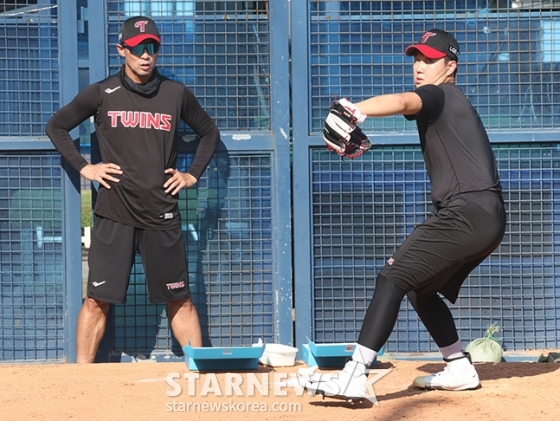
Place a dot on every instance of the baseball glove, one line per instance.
(341, 133)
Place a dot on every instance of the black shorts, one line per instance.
(440, 253)
(112, 254)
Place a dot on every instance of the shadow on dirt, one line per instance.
(504, 370)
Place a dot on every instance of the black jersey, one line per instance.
(454, 142)
(139, 132)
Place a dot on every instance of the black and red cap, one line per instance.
(138, 29)
(435, 44)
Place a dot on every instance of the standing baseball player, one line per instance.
(467, 223)
(137, 113)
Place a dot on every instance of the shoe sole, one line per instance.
(348, 399)
(458, 389)
(324, 394)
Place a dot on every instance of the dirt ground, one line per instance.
(139, 391)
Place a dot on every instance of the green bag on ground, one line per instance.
(487, 349)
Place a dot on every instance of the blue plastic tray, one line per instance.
(223, 358)
(328, 355)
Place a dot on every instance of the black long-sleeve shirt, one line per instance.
(138, 132)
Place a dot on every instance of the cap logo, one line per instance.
(426, 36)
(141, 24)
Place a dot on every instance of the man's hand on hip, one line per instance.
(101, 173)
(178, 181)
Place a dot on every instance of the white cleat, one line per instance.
(459, 374)
(350, 383)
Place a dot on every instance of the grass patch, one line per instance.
(86, 208)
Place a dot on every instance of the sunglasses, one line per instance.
(151, 47)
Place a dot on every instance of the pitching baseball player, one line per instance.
(467, 222)
(137, 114)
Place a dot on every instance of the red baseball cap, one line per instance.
(138, 29)
(434, 44)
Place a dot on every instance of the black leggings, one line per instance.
(383, 310)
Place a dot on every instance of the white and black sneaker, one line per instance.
(350, 383)
(459, 374)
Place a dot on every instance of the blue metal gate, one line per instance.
(248, 265)
(40, 256)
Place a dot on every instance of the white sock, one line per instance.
(363, 354)
(452, 351)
